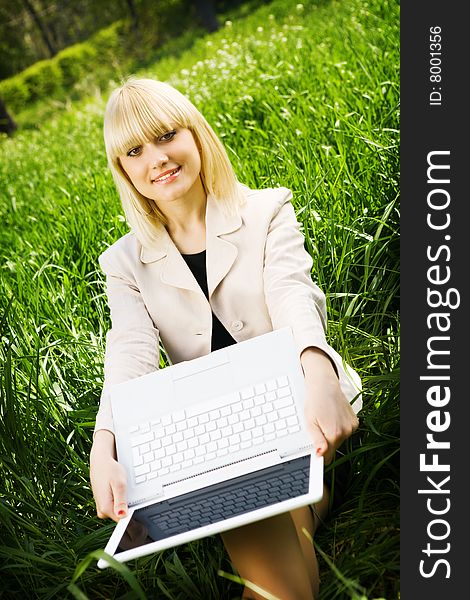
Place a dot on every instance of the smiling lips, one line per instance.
(167, 176)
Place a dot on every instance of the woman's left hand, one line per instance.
(330, 417)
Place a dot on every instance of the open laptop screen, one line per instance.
(216, 503)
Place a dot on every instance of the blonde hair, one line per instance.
(141, 110)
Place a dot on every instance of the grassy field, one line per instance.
(303, 95)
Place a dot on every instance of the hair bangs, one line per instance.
(136, 116)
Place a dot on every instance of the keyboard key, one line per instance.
(156, 444)
(271, 396)
(142, 469)
(148, 457)
(272, 416)
(261, 420)
(271, 385)
(283, 402)
(238, 427)
(234, 439)
(144, 448)
(215, 435)
(204, 438)
(260, 389)
(283, 392)
(247, 393)
(269, 428)
(170, 429)
(259, 400)
(287, 412)
(142, 439)
(222, 422)
(178, 416)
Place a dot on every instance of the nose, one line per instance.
(157, 156)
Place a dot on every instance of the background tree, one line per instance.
(207, 14)
(42, 27)
(7, 124)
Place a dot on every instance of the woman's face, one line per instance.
(166, 169)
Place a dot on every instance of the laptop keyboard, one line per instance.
(207, 431)
(227, 499)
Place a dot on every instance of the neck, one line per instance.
(187, 213)
(186, 221)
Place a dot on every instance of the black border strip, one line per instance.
(434, 254)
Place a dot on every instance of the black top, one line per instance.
(197, 263)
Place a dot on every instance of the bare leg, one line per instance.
(276, 555)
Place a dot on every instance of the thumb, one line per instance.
(320, 444)
(120, 498)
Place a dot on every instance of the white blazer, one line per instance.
(259, 279)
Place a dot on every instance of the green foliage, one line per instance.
(15, 92)
(42, 79)
(303, 95)
(75, 62)
(109, 43)
(105, 53)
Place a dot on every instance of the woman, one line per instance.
(208, 263)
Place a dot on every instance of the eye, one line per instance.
(135, 151)
(166, 137)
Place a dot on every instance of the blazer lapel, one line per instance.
(174, 270)
(220, 252)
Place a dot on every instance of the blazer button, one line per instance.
(237, 325)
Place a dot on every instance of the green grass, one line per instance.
(305, 96)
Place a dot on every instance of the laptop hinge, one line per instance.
(157, 492)
(291, 450)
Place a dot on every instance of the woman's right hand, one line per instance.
(108, 478)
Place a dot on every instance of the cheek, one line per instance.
(133, 173)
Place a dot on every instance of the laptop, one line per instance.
(212, 444)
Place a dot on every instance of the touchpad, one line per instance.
(203, 385)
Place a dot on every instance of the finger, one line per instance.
(120, 498)
(320, 443)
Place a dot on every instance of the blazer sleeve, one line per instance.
(293, 299)
(131, 342)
